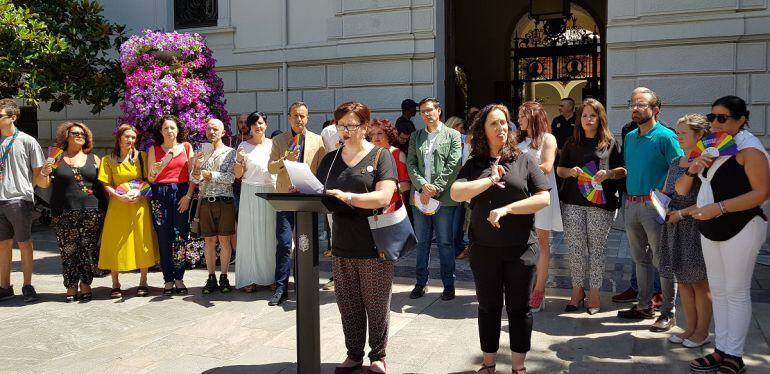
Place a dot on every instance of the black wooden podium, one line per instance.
(307, 207)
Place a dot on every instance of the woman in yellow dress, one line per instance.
(128, 239)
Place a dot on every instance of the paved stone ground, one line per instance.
(239, 333)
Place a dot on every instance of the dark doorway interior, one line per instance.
(479, 40)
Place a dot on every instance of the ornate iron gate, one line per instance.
(554, 52)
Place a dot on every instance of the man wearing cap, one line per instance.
(404, 124)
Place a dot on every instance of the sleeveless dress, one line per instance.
(548, 218)
(680, 249)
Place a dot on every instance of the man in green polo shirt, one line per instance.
(648, 153)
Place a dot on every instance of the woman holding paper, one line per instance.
(506, 187)
(681, 255)
(363, 176)
(77, 205)
(732, 227)
(128, 239)
(170, 161)
(255, 264)
(588, 215)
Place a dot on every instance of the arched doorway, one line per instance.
(558, 54)
(478, 39)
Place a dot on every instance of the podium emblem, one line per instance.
(304, 243)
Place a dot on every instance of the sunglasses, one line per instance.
(721, 118)
(81, 135)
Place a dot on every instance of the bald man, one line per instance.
(213, 173)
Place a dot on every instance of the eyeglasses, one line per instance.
(641, 106)
(721, 118)
(81, 135)
(348, 128)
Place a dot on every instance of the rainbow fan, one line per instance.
(592, 190)
(55, 155)
(715, 144)
(136, 184)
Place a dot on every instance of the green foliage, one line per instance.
(59, 51)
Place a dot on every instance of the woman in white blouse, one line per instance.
(255, 264)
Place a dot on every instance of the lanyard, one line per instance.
(7, 151)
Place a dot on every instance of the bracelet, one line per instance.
(680, 214)
(349, 199)
(722, 208)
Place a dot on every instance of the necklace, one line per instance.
(6, 152)
(79, 181)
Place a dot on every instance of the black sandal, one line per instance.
(486, 369)
(142, 291)
(71, 298)
(168, 291)
(731, 365)
(707, 363)
(86, 297)
(181, 290)
(116, 293)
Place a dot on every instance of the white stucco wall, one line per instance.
(690, 52)
(273, 52)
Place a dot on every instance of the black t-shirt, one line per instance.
(575, 154)
(351, 237)
(562, 129)
(523, 178)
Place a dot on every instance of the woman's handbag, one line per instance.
(392, 232)
(195, 225)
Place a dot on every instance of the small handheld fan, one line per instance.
(591, 189)
(136, 184)
(295, 142)
(55, 155)
(715, 144)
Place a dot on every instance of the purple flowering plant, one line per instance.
(170, 73)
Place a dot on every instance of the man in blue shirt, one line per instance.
(648, 153)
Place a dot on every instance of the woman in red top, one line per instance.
(170, 164)
(383, 134)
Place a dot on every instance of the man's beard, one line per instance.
(643, 119)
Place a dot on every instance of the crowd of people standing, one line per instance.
(500, 183)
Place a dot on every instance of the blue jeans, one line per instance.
(424, 227)
(284, 232)
(635, 285)
(171, 227)
(458, 234)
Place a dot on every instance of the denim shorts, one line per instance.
(16, 220)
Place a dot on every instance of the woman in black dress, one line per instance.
(506, 188)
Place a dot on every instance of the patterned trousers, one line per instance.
(78, 233)
(363, 290)
(586, 229)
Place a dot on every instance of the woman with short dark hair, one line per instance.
(170, 161)
(506, 188)
(363, 176)
(255, 263)
(77, 206)
(733, 228)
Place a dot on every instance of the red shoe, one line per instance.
(657, 301)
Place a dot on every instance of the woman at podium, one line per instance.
(363, 176)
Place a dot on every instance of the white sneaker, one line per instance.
(675, 339)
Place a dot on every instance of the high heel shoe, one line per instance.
(575, 308)
(591, 310)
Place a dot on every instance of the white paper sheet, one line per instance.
(302, 178)
(427, 209)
